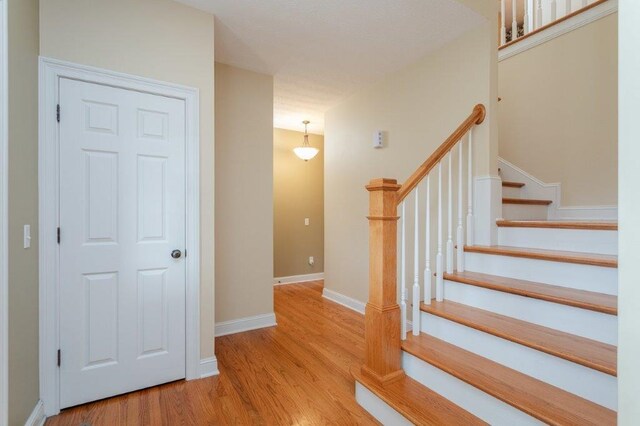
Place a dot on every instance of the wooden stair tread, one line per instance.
(606, 260)
(526, 201)
(600, 226)
(512, 184)
(417, 403)
(590, 353)
(541, 400)
(598, 302)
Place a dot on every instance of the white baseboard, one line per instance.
(245, 324)
(535, 188)
(37, 417)
(209, 367)
(298, 278)
(343, 300)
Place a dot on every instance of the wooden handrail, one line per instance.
(476, 117)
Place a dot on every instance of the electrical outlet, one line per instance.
(311, 260)
(306, 221)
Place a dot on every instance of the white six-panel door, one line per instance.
(122, 214)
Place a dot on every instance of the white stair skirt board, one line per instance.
(343, 300)
(379, 409)
(525, 212)
(245, 324)
(588, 383)
(581, 240)
(573, 23)
(294, 279)
(209, 367)
(581, 322)
(466, 396)
(583, 277)
(37, 417)
(535, 188)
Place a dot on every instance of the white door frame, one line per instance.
(4, 228)
(50, 73)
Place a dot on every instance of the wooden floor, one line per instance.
(295, 373)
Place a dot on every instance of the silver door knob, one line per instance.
(176, 254)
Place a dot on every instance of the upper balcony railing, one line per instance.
(521, 18)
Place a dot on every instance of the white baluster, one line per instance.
(403, 278)
(503, 28)
(567, 7)
(539, 14)
(514, 23)
(439, 260)
(416, 271)
(553, 8)
(470, 227)
(460, 230)
(527, 27)
(427, 247)
(450, 219)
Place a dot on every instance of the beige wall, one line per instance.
(558, 114)
(298, 193)
(629, 240)
(23, 209)
(417, 108)
(159, 39)
(244, 193)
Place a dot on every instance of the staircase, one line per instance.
(523, 332)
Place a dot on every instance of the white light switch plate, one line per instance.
(306, 221)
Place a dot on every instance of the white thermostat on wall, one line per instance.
(378, 138)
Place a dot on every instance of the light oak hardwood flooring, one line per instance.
(294, 374)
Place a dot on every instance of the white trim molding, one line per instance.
(535, 188)
(4, 218)
(51, 71)
(209, 367)
(568, 25)
(294, 279)
(37, 417)
(245, 324)
(343, 300)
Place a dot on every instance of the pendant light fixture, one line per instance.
(306, 152)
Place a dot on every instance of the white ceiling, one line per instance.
(321, 51)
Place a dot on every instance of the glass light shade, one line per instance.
(306, 153)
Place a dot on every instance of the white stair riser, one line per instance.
(464, 395)
(524, 212)
(581, 322)
(590, 384)
(378, 408)
(583, 277)
(512, 192)
(580, 240)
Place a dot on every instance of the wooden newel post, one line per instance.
(382, 314)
